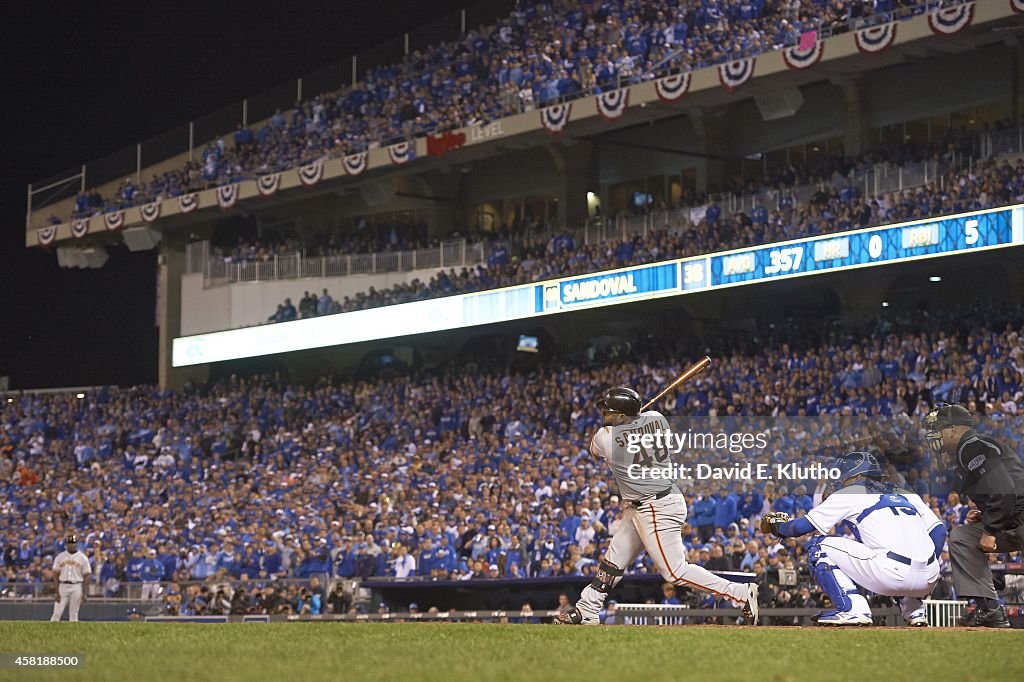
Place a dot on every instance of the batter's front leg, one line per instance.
(623, 550)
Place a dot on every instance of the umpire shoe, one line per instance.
(986, 618)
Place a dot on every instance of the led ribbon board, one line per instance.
(982, 230)
(874, 246)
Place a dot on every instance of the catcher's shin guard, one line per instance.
(830, 579)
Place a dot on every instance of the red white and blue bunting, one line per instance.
(79, 228)
(611, 105)
(114, 220)
(796, 58)
(46, 235)
(734, 74)
(354, 164)
(1017, 5)
(555, 117)
(672, 88)
(875, 39)
(267, 185)
(188, 202)
(952, 19)
(150, 212)
(227, 195)
(311, 173)
(401, 153)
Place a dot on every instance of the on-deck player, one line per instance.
(653, 517)
(898, 540)
(72, 571)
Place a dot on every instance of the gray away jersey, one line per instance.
(642, 473)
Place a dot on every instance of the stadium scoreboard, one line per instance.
(868, 247)
(865, 247)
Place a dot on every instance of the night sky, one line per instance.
(84, 81)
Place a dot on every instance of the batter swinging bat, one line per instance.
(690, 372)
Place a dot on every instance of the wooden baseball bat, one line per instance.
(688, 373)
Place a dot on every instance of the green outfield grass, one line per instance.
(426, 651)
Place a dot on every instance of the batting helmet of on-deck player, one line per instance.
(620, 399)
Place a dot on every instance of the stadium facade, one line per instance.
(593, 166)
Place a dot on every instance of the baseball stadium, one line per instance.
(670, 339)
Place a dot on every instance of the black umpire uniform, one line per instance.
(989, 473)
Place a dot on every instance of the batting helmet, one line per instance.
(71, 539)
(621, 399)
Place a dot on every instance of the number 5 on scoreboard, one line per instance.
(971, 228)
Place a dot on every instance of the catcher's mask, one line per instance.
(851, 465)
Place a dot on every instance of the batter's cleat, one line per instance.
(986, 618)
(917, 621)
(750, 608)
(844, 618)
(576, 617)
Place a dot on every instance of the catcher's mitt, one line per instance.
(770, 522)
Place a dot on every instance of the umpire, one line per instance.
(989, 473)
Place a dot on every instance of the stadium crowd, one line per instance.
(252, 494)
(525, 256)
(541, 53)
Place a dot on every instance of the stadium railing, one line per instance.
(943, 613)
(1002, 142)
(674, 614)
(454, 253)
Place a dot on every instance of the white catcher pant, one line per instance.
(69, 595)
(873, 570)
(657, 527)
